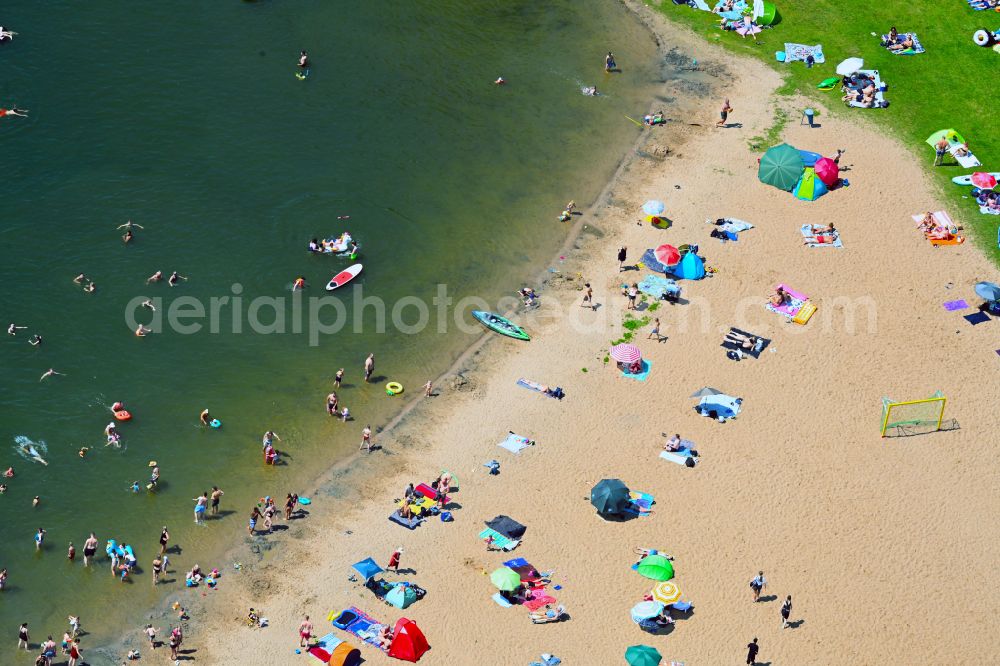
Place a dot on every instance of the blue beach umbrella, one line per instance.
(645, 610)
(988, 291)
(653, 207)
(367, 568)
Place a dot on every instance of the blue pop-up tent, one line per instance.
(692, 267)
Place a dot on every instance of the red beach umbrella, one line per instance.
(984, 181)
(626, 353)
(827, 171)
(668, 255)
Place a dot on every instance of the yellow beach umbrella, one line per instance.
(666, 592)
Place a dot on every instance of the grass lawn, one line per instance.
(954, 84)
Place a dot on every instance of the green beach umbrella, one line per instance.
(781, 166)
(506, 579)
(656, 567)
(643, 655)
(949, 134)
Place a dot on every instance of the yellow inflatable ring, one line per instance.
(392, 388)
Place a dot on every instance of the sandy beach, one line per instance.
(888, 546)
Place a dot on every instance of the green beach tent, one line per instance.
(949, 134)
(810, 187)
(781, 166)
(769, 15)
(402, 596)
(656, 567)
(643, 655)
(506, 579)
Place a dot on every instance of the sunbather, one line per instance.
(744, 341)
(385, 637)
(927, 223)
(645, 552)
(892, 37)
(961, 150)
(905, 43)
(726, 6)
(672, 444)
(549, 615)
(780, 297)
(405, 511)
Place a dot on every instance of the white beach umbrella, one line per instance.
(850, 66)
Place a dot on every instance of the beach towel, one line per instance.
(731, 225)
(503, 603)
(951, 306)
(680, 456)
(790, 309)
(516, 562)
(802, 51)
(499, 540)
(986, 210)
(967, 161)
(556, 392)
(515, 443)
(702, 5)
(659, 286)
(643, 373)
(979, 5)
(976, 318)
(739, 8)
(538, 601)
(639, 504)
(823, 240)
(364, 627)
(941, 219)
(322, 648)
(408, 523)
(914, 50)
(754, 351)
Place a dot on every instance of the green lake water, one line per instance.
(186, 117)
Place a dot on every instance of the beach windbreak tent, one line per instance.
(781, 167)
(610, 496)
(401, 596)
(345, 654)
(951, 135)
(408, 643)
(810, 187)
(656, 567)
(692, 267)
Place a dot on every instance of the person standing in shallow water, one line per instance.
(369, 366)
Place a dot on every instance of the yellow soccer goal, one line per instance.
(912, 417)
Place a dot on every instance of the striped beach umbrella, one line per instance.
(626, 353)
(667, 592)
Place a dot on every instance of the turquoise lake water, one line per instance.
(186, 118)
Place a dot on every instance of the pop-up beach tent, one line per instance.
(810, 187)
(692, 267)
(408, 643)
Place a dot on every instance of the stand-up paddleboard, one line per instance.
(343, 277)
(967, 180)
(501, 325)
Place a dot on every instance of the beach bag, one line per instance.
(446, 517)
(689, 462)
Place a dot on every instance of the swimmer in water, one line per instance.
(83, 451)
(205, 417)
(609, 62)
(149, 304)
(79, 279)
(39, 538)
(299, 283)
(303, 60)
(90, 288)
(155, 277)
(13, 329)
(49, 373)
(345, 414)
(135, 486)
(35, 340)
(3, 488)
(14, 111)
(110, 429)
(128, 226)
(142, 331)
(331, 404)
(174, 277)
(591, 91)
(499, 82)
(35, 502)
(9, 474)
(127, 238)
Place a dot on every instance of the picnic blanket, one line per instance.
(979, 5)
(823, 240)
(986, 210)
(914, 50)
(943, 220)
(499, 540)
(739, 8)
(754, 351)
(364, 627)
(515, 443)
(538, 601)
(640, 504)
(795, 52)
(880, 88)
(791, 308)
(731, 225)
(659, 286)
(967, 161)
(408, 523)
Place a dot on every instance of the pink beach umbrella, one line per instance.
(827, 171)
(626, 353)
(984, 181)
(668, 255)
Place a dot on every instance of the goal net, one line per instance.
(912, 417)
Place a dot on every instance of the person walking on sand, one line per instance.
(786, 611)
(331, 403)
(724, 113)
(752, 649)
(758, 585)
(200, 503)
(164, 538)
(150, 632)
(428, 389)
(622, 255)
(369, 366)
(366, 439)
(588, 297)
(89, 548)
(216, 496)
(940, 148)
(632, 293)
(655, 333)
(305, 632)
(339, 377)
(394, 560)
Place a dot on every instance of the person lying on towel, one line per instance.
(744, 341)
(780, 297)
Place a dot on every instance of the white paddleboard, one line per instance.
(343, 277)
